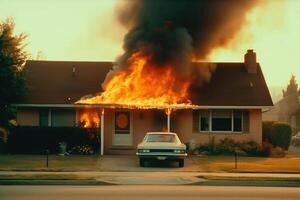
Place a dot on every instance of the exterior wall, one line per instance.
(142, 121)
(27, 117)
(182, 125)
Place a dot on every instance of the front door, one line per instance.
(122, 129)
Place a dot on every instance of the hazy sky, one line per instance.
(88, 30)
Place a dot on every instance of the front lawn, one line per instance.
(288, 164)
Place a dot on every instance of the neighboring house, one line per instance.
(295, 120)
(229, 106)
(283, 111)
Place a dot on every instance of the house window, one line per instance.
(44, 117)
(221, 121)
(204, 120)
(237, 121)
(63, 117)
(122, 122)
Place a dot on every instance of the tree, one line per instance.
(12, 60)
(292, 88)
(290, 102)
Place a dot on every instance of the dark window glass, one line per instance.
(44, 117)
(204, 120)
(221, 120)
(237, 121)
(63, 117)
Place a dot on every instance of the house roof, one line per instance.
(232, 85)
(54, 82)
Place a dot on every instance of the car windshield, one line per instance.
(161, 138)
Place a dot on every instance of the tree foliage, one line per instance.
(12, 59)
(292, 88)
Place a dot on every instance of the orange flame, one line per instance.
(143, 85)
(90, 119)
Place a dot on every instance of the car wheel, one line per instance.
(142, 162)
(181, 163)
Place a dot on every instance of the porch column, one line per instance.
(168, 119)
(102, 134)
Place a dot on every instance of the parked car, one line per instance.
(296, 140)
(161, 146)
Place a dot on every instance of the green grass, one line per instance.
(46, 177)
(56, 163)
(245, 178)
(288, 164)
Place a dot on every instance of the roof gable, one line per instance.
(55, 82)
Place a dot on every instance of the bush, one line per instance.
(35, 140)
(227, 146)
(281, 135)
(251, 148)
(267, 130)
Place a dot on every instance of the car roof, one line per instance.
(152, 133)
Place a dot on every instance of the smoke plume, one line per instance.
(178, 31)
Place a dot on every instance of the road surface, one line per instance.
(146, 192)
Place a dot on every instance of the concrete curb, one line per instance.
(264, 183)
(54, 182)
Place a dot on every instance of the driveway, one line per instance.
(131, 163)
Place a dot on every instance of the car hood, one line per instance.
(160, 145)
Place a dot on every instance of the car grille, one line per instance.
(161, 150)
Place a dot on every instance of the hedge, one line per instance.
(279, 134)
(35, 140)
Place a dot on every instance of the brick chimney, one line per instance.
(250, 61)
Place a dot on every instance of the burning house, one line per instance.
(228, 106)
(158, 82)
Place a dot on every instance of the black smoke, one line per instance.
(177, 31)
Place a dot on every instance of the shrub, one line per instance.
(267, 130)
(281, 134)
(227, 146)
(35, 140)
(82, 149)
(251, 148)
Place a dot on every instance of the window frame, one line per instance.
(232, 122)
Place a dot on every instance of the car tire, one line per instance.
(142, 162)
(181, 163)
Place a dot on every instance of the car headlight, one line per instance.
(143, 150)
(179, 151)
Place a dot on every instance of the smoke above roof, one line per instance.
(179, 31)
(164, 37)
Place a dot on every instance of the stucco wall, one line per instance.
(142, 121)
(182, 125)
(27, 117)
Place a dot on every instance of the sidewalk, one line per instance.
(143, 178)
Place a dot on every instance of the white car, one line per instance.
(161, 146)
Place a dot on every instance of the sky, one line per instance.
(88, 30)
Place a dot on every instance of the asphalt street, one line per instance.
(147, 192)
